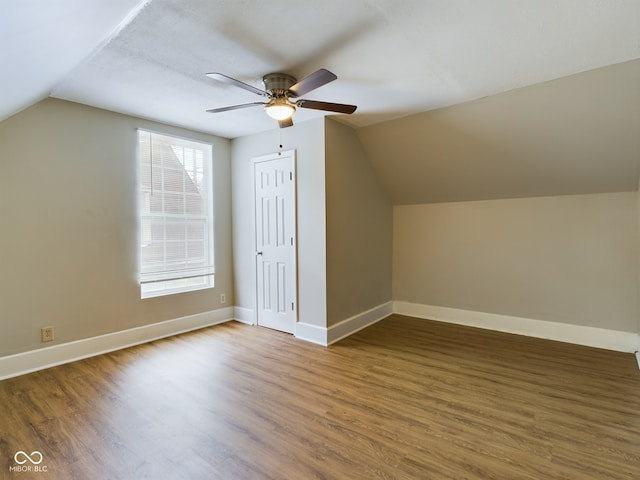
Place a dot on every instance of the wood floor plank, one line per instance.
(402, 399)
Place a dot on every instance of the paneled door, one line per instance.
(275, 228)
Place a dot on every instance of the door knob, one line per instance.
(258, 253)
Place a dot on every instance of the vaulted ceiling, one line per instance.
(394, 59)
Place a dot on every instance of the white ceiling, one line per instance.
(393, 58)
(42, 41)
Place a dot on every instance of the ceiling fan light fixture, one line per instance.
(279, 109)
(280, 89)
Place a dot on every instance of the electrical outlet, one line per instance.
(46, 334)
(223, 298)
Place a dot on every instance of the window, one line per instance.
(175, 215)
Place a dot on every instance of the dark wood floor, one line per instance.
(403, 399)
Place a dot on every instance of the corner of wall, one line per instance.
(638, 297)
(359, 228)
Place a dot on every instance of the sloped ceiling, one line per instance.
(43, 41)
(393, 59)
(575, 135)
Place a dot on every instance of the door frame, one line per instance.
(254, 161)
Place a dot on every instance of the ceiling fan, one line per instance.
(282, 91)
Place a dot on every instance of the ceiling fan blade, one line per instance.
(232, 81)
(287, 122)
(329, 107)
(234, 107)
(315, 80)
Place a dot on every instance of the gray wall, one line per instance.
(568, 259)
(69, 227)
(359, 228)
(547, 177)
(68, 243)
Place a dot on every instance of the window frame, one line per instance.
(155, 285)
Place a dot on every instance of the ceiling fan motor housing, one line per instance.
(278, 83)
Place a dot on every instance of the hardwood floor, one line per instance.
(403, 399)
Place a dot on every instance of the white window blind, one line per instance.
(175, 214)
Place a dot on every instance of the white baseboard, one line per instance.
(576, 334)
(244, 315)
(327, 336)
(358, 322)
(311, 333)
(638, 358)
(31, 361)
(26, 362)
